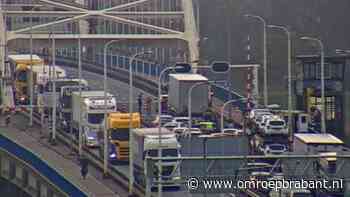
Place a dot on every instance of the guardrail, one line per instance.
(35, 162)
(95, 160)
(145, 79)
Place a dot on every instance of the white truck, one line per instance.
(179, 86)
(59, 83)
(146, 143)
(92, 109)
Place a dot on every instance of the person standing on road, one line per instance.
(8, 119)
(84, 166)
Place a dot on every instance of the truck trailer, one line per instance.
(179, 86)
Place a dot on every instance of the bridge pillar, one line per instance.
(26, 178)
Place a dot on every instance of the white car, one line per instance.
(264, 119)
(275, 126)
(184, 131)
(233, 131)
(273, 149)
(255, 112)
(184, 120)
(259, 118)
(172, 125)
(163, 118)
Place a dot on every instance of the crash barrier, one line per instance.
(39, 165)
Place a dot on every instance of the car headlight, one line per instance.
(22, 98)
(113, 155)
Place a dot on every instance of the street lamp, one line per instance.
(265, 54)
(80, 93)
(31, 67)
(223, 110)
(323, 119)
(180, 66)
(282, 28)
(190, 103)
(53, 140)
(105, 140)
(131, 159)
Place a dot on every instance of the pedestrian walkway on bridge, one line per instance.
(56, 157)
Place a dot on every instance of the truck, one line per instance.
(65, 104)
(118, 131)
(59, 83)
(146, 144)
(179, 86)
(312, 143)
(92, 107)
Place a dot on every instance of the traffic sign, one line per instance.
(220, 66)
(182, 67)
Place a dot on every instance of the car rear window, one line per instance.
(276, 147)
(276, 123)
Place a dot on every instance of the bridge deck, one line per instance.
(64, 164)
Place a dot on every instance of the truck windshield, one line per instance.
(95, 118)
(120, 134)
(22, 76)
(66, 101)
(165, 153)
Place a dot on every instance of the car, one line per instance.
(180, 131)
(254, 112)
(172, 125)
(264, 119)
(181, 119)
(273, 149)
(233, 131)
(275, 125)
(163, 118)
(90, 138)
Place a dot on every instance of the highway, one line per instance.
(121, 90)
(115, 87)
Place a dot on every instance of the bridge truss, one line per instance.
(166, 27)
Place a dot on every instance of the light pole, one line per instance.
(80, 93)
(290, 131)
(323, 119)
(31, 69)
(131, 159)
(105, 139)
(265, 54)
(190, 103)
(159, 124)
(223, 110)
(54, 89)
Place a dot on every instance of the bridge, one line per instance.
(55, 28)
(60, 30)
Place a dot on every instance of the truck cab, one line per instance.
(146, 144)
(91, 105)
(119, 129)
